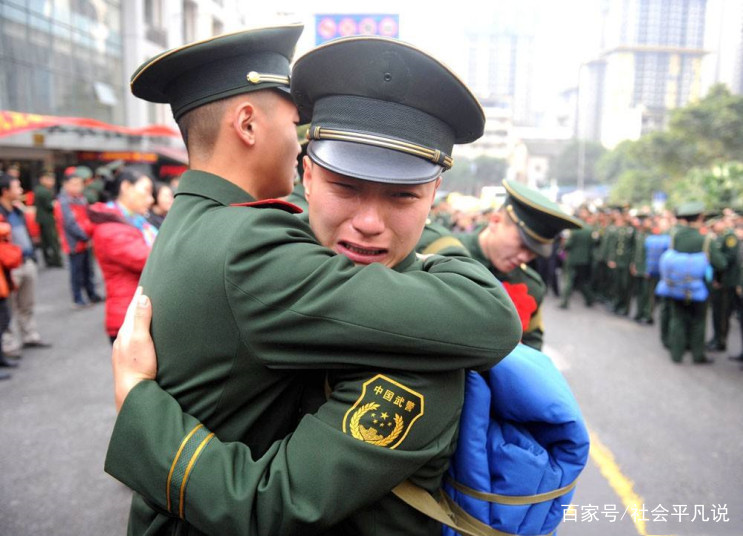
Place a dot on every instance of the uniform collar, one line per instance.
(472, 244)
(213, 187)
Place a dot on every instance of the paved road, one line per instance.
(666, 436)
(57, 414)
(672, 435)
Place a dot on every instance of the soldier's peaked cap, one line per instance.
(539, 220)
(223, 66)
(690, 210)
(383, 110)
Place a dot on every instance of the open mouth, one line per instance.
(361, 254)
(361, 250)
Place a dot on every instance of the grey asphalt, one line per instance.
(675, 432)
(57, 414)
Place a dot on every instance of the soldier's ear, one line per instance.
(309, 170)
(243, 122)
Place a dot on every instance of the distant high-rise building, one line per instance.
(724, 40)
(651, 63)
(500, 53)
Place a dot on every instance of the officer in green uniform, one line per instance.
(579, 246)
(44, 203)
(722, 294)
(525, 226)
(243, 298)
(688, 318)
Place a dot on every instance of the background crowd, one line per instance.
(109, 216)
(611, 262)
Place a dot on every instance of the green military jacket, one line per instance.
(379, 426)
(579, 246)
(44, 203)
(620, 245)
(689, 240)
(639, 255)
(243, 299)
(607, 241)
(727, 242)
(525, 286)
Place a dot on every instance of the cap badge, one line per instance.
(260, 78)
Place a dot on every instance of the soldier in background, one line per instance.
(600, 283)
(725, 281)
(44, 196)
(579, 247)
(738, 301)
(526, 225)
(642, 283)
(688, 317)
(619, 250)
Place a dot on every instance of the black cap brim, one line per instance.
(540, 248)
(372, 163)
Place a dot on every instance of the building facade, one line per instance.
(73, 59)
(650, 64)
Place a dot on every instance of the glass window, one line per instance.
(14, 14)
(153, 13)
(42, 7)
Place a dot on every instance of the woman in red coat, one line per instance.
(122, 240)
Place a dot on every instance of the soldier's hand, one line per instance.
(133, 357)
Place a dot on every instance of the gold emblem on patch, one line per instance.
(384, 413)
(730, 242)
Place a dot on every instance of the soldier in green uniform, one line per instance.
(44, 203)
(738, 302)
(244, 299)
(619, 251)
(525, 226)
(688, 318)
(579, 248)
(722, 294)
(599, 270)
(643, 283)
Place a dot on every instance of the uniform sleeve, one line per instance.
(336, 462)
(304, 306)
(716, 257)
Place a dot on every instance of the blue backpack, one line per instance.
(522, 444)
(684, 276)
(655, 245)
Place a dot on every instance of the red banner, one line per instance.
(15, 122)
(110, 156)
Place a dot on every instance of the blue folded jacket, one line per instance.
(521, 435)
